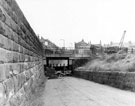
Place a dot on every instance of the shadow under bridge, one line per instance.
(59, 63)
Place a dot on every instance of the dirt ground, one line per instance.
(37, 96)
(69, 91)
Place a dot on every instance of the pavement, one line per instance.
(70, 91)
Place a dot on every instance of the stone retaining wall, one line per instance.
(122, 80)
(80, 62)
(21, 66)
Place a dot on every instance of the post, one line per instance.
(63, 42)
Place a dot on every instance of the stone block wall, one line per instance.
(122, 80)
(21, 65)
(80, 62)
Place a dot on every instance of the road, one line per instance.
(69, 91)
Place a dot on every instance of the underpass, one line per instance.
(69, 91)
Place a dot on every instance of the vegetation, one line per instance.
(114, 62)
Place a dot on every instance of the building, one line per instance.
(130, 45)
(49, 46)
(82, 49)
(96, 49)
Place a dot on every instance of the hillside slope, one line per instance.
(114, 62)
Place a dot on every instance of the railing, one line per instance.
(58, 55)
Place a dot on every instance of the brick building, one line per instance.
(82, 49)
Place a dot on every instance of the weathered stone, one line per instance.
(2, 39)
(18, 98)
(19, 84)
(2, 94)
(20, 56)
(2, 30)
(27, 86)
(27, 75)
(2, 16)
(9, 83)
(6, 70)
(2, 73)
(15, 84)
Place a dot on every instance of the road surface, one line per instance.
(69, 91)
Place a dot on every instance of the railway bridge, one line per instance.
(60, 60)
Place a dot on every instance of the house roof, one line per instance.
(82, 43)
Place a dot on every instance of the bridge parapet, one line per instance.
(70, 56)
(58, 55)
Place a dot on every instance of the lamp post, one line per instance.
(70, 45)
(63, 43)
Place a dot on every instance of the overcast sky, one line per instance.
(74, 20)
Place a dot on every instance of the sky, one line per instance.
(65, 22)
